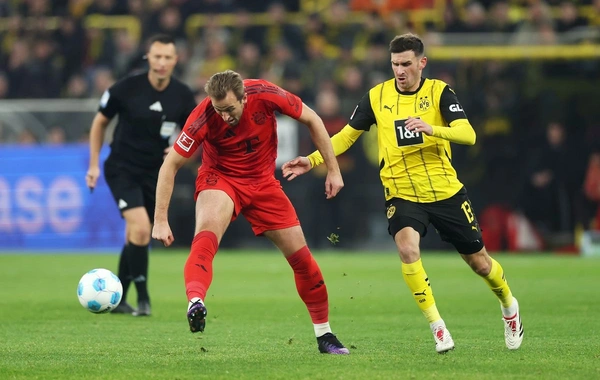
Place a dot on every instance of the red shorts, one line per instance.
(263, 204)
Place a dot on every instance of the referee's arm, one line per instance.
(97, 131)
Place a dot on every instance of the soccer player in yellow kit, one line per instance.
(417, 118)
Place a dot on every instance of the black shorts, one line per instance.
(453, 218)
(131, 187)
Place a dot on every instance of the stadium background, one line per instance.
(526, 72)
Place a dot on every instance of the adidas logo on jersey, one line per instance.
(156, 106)
(122, 204)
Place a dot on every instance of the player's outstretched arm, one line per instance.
(164, 189)
(319, 135)
(296, 167)
(99, 125)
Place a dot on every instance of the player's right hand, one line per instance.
(92, 176)
(162, 232)
(295, 167)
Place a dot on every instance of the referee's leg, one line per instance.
(138, 233)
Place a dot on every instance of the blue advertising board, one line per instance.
(45, 204)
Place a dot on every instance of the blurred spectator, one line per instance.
(499, 18)
(475, 20)
(372, 33)
(102, 79)
(352, 86)
(56, 136)
(70, 42)
(106, 7)
(242, 31)
(330, 215)
(537, 28)
(569, 18)
(280, 31)
(127, 54)
(383, 7)
(36, 8)
(339, 33)
(452, 21)
(100, 47)
(216, 58)
(592, 187)
(213, 6)
(77, 87)
(26, 137)
(168, 21)
(3, 86)
(39, 76)
(249, 64)
(555, 179)
(6, 8)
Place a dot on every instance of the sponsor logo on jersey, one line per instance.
(156, 106)
(455, 108)
(122, 204)
(185, 142)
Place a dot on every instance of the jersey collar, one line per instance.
(409, 92)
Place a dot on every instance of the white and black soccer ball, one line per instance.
(99, 291)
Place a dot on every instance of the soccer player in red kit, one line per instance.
(237, 129)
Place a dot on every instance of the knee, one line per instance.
(480, 264)
(139, 234)
(409, 251)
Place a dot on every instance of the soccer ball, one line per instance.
(99, 291)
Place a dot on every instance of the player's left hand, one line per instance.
(415, 124)
(333, 183)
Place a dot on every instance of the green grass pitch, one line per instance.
(258, 328)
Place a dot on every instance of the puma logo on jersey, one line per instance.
(156, 106)
(455, 108)
(389, 108)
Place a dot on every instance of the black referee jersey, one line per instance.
(147, 118)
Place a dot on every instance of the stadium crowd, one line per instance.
(536, 120)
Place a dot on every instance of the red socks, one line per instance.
(310, 284)
(198, 274)
(198, 270)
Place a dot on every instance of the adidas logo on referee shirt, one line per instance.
(122, 204)
(156, 106)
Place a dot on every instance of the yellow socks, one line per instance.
(418, 283)
(496, 281)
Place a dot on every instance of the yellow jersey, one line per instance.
(413, 166)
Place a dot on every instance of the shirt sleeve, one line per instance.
(109, 102)
(450, 106)
(284, 101)
(363, 116)
(341, 142)
(195, 129)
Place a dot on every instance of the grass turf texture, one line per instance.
(258, 328)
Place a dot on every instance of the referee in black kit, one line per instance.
(151, 106)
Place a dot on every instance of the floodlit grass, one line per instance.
(257, 327)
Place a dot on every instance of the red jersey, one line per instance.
(246, 151)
